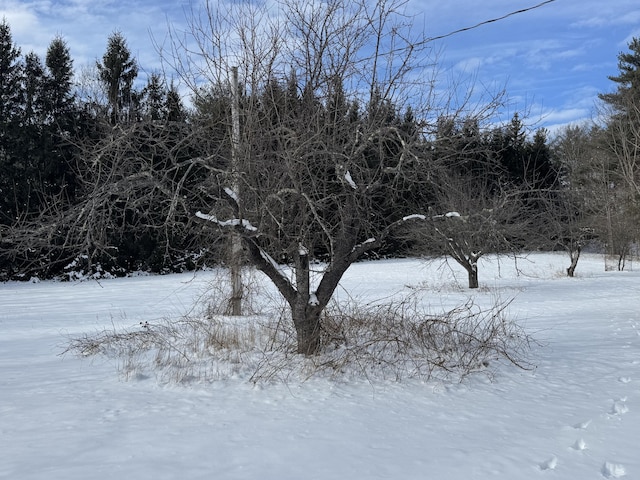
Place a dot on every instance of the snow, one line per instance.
(246, 224)
(349, 179)
(313, 300)
(278, 268)
(232, 194)
(448, 215)
(575, 416)
(366, 242)
(415, 216)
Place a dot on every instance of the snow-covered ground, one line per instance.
(575, 416)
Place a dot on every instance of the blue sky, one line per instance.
(552, 61)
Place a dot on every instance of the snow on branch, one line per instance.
(234, 222)
(360, 245)
(344, 176)
(349, 180)
(448, 215)
(231, 193)
(313, 300)
(270, 260)
(415, 216)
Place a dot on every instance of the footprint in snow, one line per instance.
(582, 425)
(613, 470)
(579, 445)
(550, 464)
(619, 407)
(624, 379)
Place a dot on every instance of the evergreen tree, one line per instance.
(10, 76)
(33, 142)
(628, 80)
(34, 90)
(11, 104)
(513, 150)
(59, 95)
(62, 120)
(154, 95)
(622, 137)
(175, 110)
(117, 72)
(541, 173)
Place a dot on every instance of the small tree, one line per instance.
(571, 208)
(476, 207)
(471, 221)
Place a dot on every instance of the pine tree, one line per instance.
(628, 80)
(154, 98)
(541, 172)
(34, 90)
(11, 104)
(59, 95)
(512, 153)
(117, 73)
(175, 109)
(10, 75)
(33, 141)
(623, 141)
(61, 120)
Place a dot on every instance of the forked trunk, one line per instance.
(307, 304)
(306, 319)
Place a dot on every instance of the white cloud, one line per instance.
(607, 15)
(24, 23)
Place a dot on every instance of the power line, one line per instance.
(465, 29)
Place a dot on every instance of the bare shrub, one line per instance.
(218, 296)
(191, 348)
(402, 339)
(396, 340)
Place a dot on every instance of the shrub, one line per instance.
(393, 340)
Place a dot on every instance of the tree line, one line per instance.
(101, 172)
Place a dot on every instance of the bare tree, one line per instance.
(345, 164)
(612, 187)
(594, 202)
(570, 208)
(471, 220)
(326, 167)
(136, 187)
(621, 109)
(624, 141)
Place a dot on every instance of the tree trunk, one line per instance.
(574, 262)
(236, 274)
(306, 307)
(236, 240)
(306, 319)
(472, 270)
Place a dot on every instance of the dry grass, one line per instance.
(395, 340)
(401, 340)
